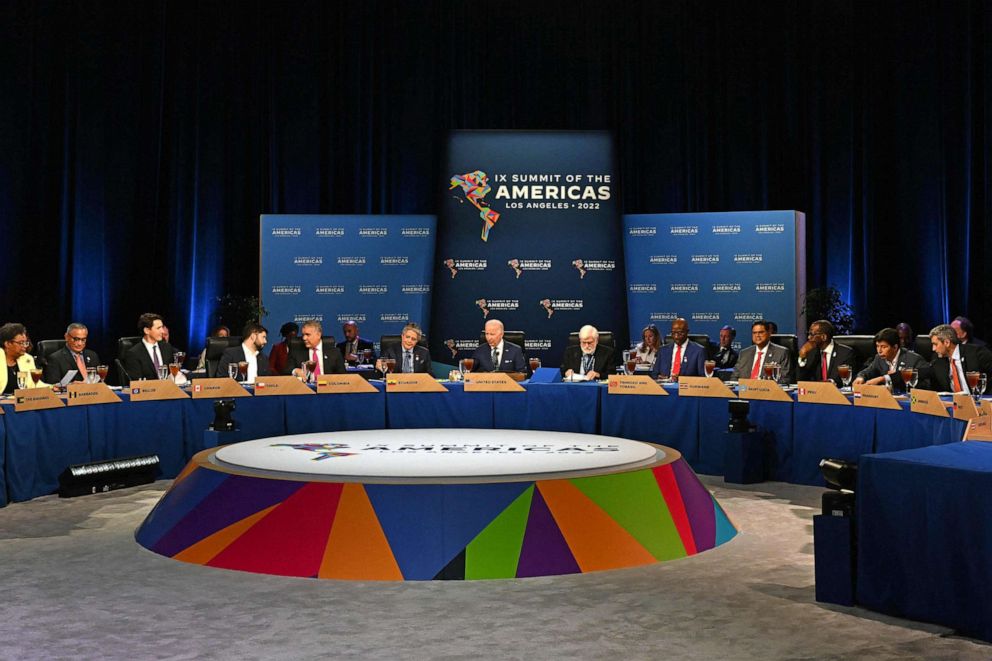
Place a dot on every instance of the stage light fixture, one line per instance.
(739, 424)
(839, 474)
(102, 476)
(223, 408)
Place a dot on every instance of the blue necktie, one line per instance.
(407, 362)
(586, 363)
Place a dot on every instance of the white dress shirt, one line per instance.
(251, 356)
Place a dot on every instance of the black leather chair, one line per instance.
(46, 348)
(700, 339)
(790, 342)
(924, 347)
(215, 349)
(124, 345)
(863, 345)
(393, 340)
(605, 338)
(513, 336)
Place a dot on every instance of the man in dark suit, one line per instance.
(966, 332)
(953, 360)
(73, 356)
(353, 344)
(681, 357)
(820, 355)
(143, 359)
(889, 360)
(751, 361)
(326, 356)
(249, 351)
(496, 355)
(590, 359)
(725, 356)
(410, 357)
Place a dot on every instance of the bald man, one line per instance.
(680, 357)
(496, 354)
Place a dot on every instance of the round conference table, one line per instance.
(36, 446)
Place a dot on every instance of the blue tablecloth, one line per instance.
(925, 539)
(828, 430)
(671, 421)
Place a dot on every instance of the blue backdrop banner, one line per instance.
(373, 269)
(529, 234)
(715, 269)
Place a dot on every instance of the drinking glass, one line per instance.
(163, 371)
(913, 379)
(366, 356)
(91, 376)
(243, 370)
(22, 380)
(308, 366)
(469, 364)
(389, 364)
(232, 370)
(102, 371)
(708, 367)
(462, 367)
(972, 379)
(980, 388)
(180, 357)
(907, 375)
(36, 376)
(844, 371)
(631, 364)
(174, 371)
(535, 364)
(769, 369)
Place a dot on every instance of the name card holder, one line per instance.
(217, 388)
(417, 382)
(700, 386)
(978, 429)
(964, 407)
(875, 397)
(821, 392)
(633, 384)
(762, 389)
(928, 402)
(343, 384)
(157, 390)
(491, 382)
(280, 385)
(36, 399)
(81, 394)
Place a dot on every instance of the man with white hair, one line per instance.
(497, 355)
(589, 359)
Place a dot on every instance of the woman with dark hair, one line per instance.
(647, 350)
(220, 331)
(280, 352)
(15, 343)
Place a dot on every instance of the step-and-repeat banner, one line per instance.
(374, 269)
(529, 234)
(715, 269)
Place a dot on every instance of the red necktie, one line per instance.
(677, 367)
(954, 376)
(316, 363)
(823, 366)
(756, 370)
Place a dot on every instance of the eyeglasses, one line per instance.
(77, 339)
(23, 343)
(812, 335)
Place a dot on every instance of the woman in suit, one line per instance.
(15, 342)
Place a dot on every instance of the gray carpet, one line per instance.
(76, 585)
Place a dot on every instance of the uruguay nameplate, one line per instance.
(821, 392)
(875, 397)
(343, 384)
(223, 386)
(633, 384)
(762, 389)
(417, 382)
(36, 399)
(491, 382)
(280, 385)
(80, 394)
(701, 386)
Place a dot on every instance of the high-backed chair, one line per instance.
(215, 349)
(863, 345)
(46, 348)
(393, 340)
(512, 336)
(924, 347)
(700, 339)
(124, 345)
(605, 338)
(790, 342)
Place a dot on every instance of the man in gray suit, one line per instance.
(889, 360)
(752, 359)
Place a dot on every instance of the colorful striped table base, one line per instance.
(367, 531)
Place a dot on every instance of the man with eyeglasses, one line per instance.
(15, 343)
(820, 356)
(590, 359)
(73, 356)
(751, 361)
(680, 357)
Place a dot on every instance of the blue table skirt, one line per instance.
(671, 421)
(925, 545)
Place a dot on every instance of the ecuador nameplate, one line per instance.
(633, 384)
(875, 397)
(36, 399)
(762, 389)
(80, 394)
(928, 402)
(223, 386)
(491, 382)
(153, 391)
(343, 384)
(820, 392)
(701, 386)
(280, 385)
(413, 383)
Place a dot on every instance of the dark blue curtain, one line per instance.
(139, 141)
